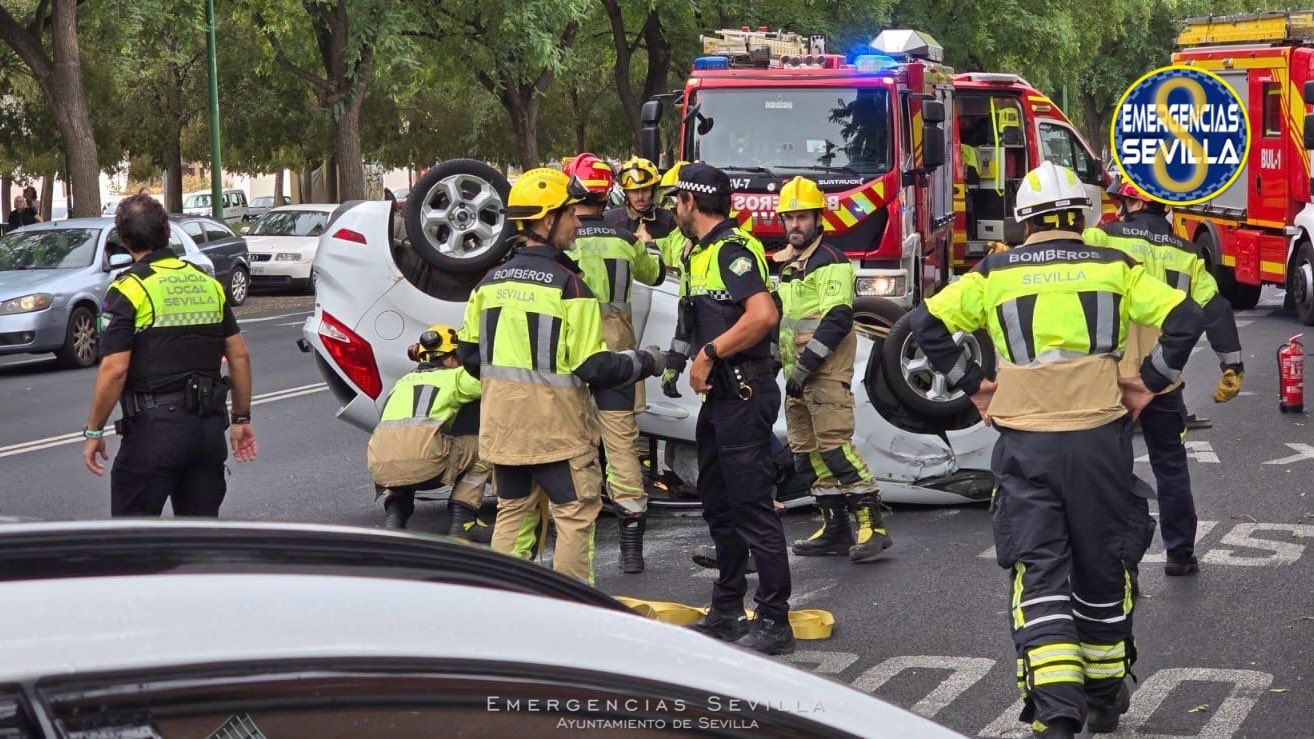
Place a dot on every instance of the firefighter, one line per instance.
(734, 319)
(675, 249)
(1067, 521)
(428, 436)
(611, 258)
(666, 188)
(533, 335)
(818, 346)
(1146, 235)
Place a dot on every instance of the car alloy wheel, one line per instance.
(239, 285)
(84, 338)
(922, 377)
(462, 216)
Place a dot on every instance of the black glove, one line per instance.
(657, 357)
(669, 387)
(675, 361)
(794, 385)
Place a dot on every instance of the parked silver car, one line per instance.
(53, 278)
(191, 628)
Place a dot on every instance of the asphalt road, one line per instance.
(1227, 653)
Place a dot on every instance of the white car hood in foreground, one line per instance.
(65, 628)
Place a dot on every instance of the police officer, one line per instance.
(734, 317)
(428, 436)
(1066, 520)
(533, 335)
(1146, 235)
(818, 347)
(611, 258)
(168, 330)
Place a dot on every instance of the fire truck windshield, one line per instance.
(844, 131)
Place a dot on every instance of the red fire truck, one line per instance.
(1258, 231)
(766, 107)
(912, 199)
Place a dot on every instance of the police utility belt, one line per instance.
(201, 396)
(737, 374)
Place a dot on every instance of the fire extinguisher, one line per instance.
(1291, 376)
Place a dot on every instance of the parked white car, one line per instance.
(283, 244)
(194, 628)
(374, 296)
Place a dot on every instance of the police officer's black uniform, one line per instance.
(174, 319)
(735, 470)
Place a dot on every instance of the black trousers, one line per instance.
(170, 454)
(736, 475)
(1163, 422)
(1072, 532)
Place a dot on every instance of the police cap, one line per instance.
(703, 179)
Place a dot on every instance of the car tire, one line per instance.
(239, 286)
(1300, 283)
(455, 216)
(875, 316)
(79, 349)
(916, 386)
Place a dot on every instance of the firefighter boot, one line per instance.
(466, 524)
(869, 535)
(632, 527)
(1103, 718)
(397, 509)
(835, 535)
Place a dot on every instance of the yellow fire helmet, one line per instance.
(637, 173)
(800, 194)
(437, 340)
(672, 175)
(538, 192)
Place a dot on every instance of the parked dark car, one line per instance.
(232, 264)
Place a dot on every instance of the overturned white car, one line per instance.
(376, 293)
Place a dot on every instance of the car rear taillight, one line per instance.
(347, 234)
(352, 353)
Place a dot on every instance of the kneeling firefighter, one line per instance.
(1067, 522)
(818, 347)
(428, 436)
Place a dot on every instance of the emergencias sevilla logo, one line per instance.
(1180, 135)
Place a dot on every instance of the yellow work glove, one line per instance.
(1228, 385)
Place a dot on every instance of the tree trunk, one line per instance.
(579, 116)
(68, 100)
(307, 184)
(347, 153)
(6, 184)
(278, 187)
(331, 180)
(173, 172)
(46, 195)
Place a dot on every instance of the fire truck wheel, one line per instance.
(919, 387)
(1300, 284)
(455, 219)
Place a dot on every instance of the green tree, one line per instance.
(57, 70)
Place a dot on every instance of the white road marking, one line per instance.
(75, 437)
(1242, 535)
(1302, 452)
(1202, 529)
(262, 319)
(964, 673)
(302, 322)
(1226, 720)
(826, 663)
(1200, 451)
(1007, 724)
(1243, 323)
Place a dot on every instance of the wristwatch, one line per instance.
(238, 419)
(90, 433)
(710, 350)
